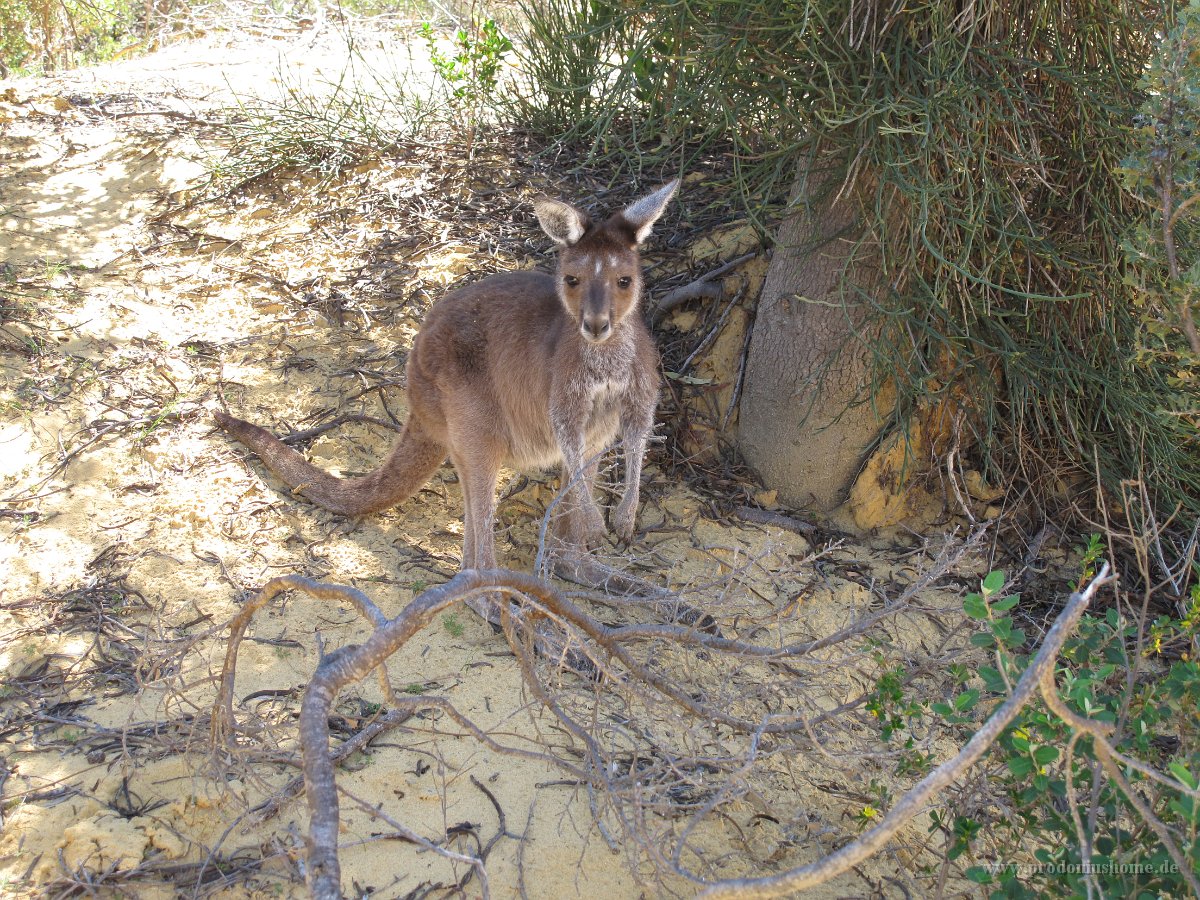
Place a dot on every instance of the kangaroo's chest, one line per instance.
(592, 407)
(607, 398)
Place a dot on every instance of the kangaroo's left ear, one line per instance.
(642, 214)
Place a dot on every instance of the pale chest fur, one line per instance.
(589, 404)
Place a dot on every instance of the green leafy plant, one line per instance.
(470, 69)
(45, 35)
(1090, 554)
(452, 625)
(169, 410)
(1162, 172)
(1073, 828)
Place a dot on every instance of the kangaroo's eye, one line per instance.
(624, 281)
(571, 281)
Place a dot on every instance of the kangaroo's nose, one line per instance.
(596, 326)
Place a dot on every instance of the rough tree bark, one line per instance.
(799, 425)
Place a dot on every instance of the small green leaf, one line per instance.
(1020, 766)
(975, 607)
(1045, 755)
(1179, 770)
(966, 700)
(1002, 606)
(1015, 638)
(992, 680)
(993, 582)
(979, 875)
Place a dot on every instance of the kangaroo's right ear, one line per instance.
(563, 222)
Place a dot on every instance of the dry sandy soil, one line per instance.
(131, 531)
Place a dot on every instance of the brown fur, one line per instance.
(523, 369)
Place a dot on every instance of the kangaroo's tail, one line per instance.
(411, 463)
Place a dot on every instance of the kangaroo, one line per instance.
(522, 369)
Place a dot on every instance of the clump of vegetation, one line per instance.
(1164, 248)
(987, 146)
(319, 129)
(472, 70)
(38, 36)
(1100, 788)
(44, 35)
(1123, 820)
(375, 104)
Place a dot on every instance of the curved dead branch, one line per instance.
(349, 664)
(537, 606)
(913, 802)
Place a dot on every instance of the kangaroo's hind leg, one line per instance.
(477, 462)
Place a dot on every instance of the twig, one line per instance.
(765, 517)
(740, 380)
(701, 287)
(714, 331)
(913, 802)
(299, 437)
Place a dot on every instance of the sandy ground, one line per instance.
(131, 532)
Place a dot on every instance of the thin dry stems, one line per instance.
(602, 774)
(908, 806)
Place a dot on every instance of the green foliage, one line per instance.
(986, 144)
(453, 626)
(1089, 555)
(1164, 172)
(42, 35)
(1043, 775)
(889, 704)
(472, 71)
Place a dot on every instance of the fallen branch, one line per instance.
(701, 287)
(612, 774)
(348, 665)
(223, 724)
(913, 802)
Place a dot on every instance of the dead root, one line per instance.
(698, 784)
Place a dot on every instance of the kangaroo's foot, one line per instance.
(624, 520)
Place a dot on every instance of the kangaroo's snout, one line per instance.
(596, 326)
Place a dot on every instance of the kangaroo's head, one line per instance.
(599, 267)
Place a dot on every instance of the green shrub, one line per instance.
(1059, 798)
(1163, 171)
(989, 144)
(44, 35)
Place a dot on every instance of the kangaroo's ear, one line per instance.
(642, 214)
(563, 222)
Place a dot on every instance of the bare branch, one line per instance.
(908, 806)
(701, 287)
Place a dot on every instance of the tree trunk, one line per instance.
(803, 425)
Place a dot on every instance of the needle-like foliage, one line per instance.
(988, 141)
